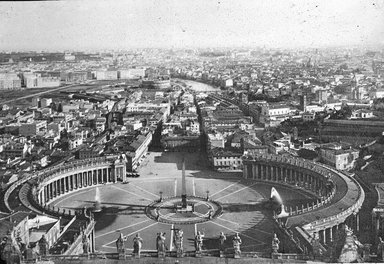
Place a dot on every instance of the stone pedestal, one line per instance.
(237, 255)
(179, 253)
(198, 254)
(136, 255)
(161, 254)
(222, 254)
(122, 255)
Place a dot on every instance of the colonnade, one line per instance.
(296, 176)
(64, 184)
(308, 176)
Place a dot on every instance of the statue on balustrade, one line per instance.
(43, 246)
(380, 249)
(236, 240)
(275, 244)
(137, 244)
(178, 242)
(351, 248)
(222, 239)
(199, 241)
(317, 252)
(120, 244)
(85, 241)
(160, 244)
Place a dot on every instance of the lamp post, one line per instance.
(161, 196)
(207, 195)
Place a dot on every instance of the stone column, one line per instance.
(45, 194)
(245, 171)
(273, 173)
(107, 175)
(40, 197)
(53, 189)
(253, 168)
(323, 237)
(49, 191)
(269, 170)
(58, 181)
(66, 181)
(70, 182)
(94, 178)
(263, 176)
(75, 181)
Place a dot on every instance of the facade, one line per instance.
(223, 159)
(33, 129)
(133, 73)
(32, 80)
(273, 115)
(9, 81)
(226, 83)
(138, 149)
(367, 130)
(77, 76)
(45, 102)
(342, 158)
(106, 75)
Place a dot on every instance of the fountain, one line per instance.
(97, 207)
(276, 198)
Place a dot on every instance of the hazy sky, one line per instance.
(195, 23)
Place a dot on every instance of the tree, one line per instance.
(307, 154)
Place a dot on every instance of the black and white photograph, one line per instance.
(191, 131)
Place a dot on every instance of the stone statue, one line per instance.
(178, 242)
(350, 251)
(85, 241)
(380, 248)
(43, 246)
(316, 246)
(160, 244)
(120, 244)
(157, 212)
(275, 243)
(210, 214)
(199, 241)
(137, 243)
(236, 240)
(222, 239)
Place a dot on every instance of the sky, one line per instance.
(124, 24)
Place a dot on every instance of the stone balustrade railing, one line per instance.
(78, 239)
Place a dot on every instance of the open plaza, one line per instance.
(124, 205)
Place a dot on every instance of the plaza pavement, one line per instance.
(123, 204)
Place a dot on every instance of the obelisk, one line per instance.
(183, 187)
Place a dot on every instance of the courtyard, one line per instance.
(124, 205)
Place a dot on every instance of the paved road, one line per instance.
(40, 93)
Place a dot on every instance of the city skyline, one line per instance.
(192, 24)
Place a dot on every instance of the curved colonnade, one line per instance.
(340, 197)
(39, 189)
